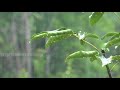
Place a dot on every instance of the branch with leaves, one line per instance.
(64, 33)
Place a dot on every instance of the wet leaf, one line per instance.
(82, 54)
(95, 17)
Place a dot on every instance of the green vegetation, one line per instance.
(59, 44)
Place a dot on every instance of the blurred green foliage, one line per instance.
(44, 21)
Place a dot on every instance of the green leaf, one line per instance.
(115, 36)
(61, 32)
(91, 35)
(93, 58)
(95, 17)
(54, 39)
(112, 42)
(38, 36)
(109, 34)
(116, 57)
(82, 54)
(52, 33)
(62, 28)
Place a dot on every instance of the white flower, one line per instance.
(105, 61)
(81, 36)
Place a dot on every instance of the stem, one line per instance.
(108, 71)
(88, 43)
(107, 67)
(91, 45)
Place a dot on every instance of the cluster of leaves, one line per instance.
(54, 36)
(114, 40)
(64, 33)
(60, 34)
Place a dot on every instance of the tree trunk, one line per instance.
(15, 46)
(26, 23)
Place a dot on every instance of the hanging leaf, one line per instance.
(54, 39)
(82, 54)
(109, 34)
(116, 57)
(105, 61)
(91, 35)
(112, 42)
(52, 33)
(95, 17)
(93, 58)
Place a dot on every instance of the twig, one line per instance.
(108, 71)
(103, 53)
(91, 45)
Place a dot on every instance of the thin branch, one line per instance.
(108, 71)
(107, 67)
(91, 45)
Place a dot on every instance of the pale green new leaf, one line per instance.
(95, 17)
(112, 42)
(108, 35)
(82, 54)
